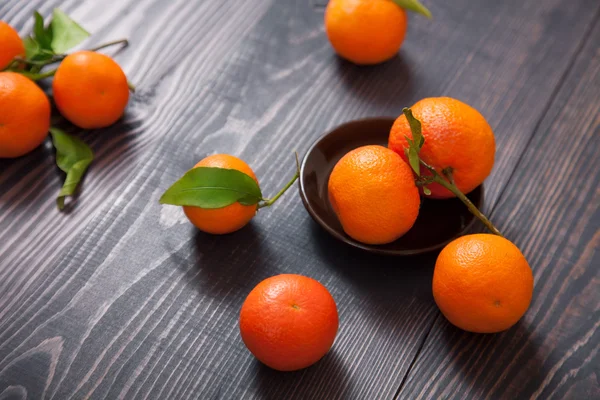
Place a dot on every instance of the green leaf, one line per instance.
(426, 191)
(66, 33)
(414, 145)
(208, 187)
(415, 128)
(413, 160)
(73, 156)
(41, 35)
(414, 5)
(32, 47)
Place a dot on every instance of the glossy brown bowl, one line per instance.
(439, 221)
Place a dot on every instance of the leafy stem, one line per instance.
(58, 57)
(447, 180)
(36, 76)
(449, 184)
(269, 202)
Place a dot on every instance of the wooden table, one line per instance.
(123, 299)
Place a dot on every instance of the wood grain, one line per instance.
(550, 209)
(121, 298)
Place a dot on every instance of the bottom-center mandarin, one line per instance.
(289, 321)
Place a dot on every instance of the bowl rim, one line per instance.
(345, 238)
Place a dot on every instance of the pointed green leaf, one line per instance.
(32, 47)
(42, 36)
(414, 145)
(208, 187)
(414, 5)
(426, 191)
(415, 128)
(73, 156)
(66, 32)
(413, 160)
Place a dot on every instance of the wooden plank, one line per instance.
(550, 210)
(123, 299)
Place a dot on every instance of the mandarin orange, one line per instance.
(482, 283)
(365, 31)
(11, 45)
(226, 219)
(24, 116)
(289, 322)
(90, 89)
(456, 136)
(374, 195)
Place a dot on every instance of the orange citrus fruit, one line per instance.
(90, 89)
(24, 115)
(456, 136)
(374, 195)
(11, 45)
(227, 219)
(482, 283)
(289, 321)
(365, 31)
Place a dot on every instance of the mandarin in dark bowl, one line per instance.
(439, 221)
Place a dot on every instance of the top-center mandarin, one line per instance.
(365, 31)
(373, 192)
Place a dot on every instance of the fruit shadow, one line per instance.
(377, 277)
(508, 362)
(226, 264)
(14, 192)
(328, 375)
(387, 86)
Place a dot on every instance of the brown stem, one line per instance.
(451, 186)
(124, 42)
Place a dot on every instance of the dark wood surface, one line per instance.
(121, 298)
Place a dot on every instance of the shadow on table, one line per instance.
(492, 363)
(109, 146)
(329, 375)
(378, 277)
(228, 262)
(388, 83)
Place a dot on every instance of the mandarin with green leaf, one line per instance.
(226, 219)
(220, 194)
(459, 142)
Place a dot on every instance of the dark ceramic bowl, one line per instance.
(439, 221)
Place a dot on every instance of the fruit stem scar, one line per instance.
(294, 305)
(269, 202)
(497, 303)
